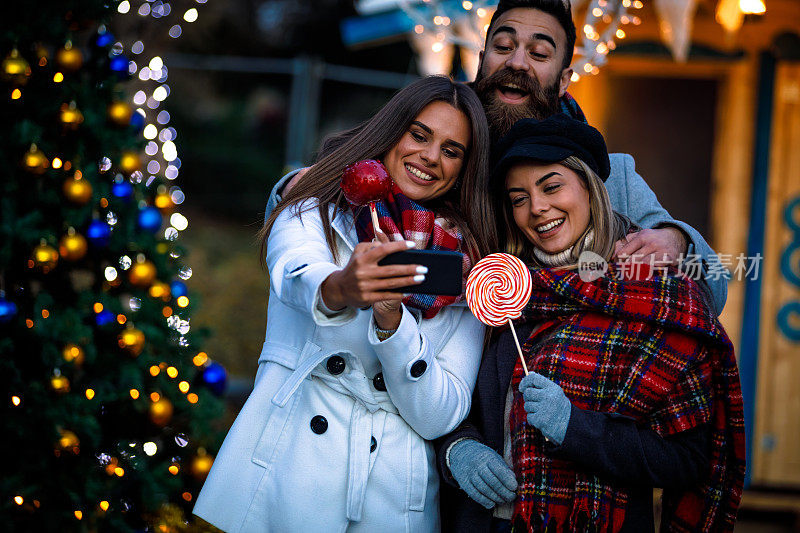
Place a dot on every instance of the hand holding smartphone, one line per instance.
(444, 270)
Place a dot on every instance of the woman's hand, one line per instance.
(547, 406)
(389, 312)
(362, 282)
(481, 473)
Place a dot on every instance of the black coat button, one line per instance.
(319, 424)
(378, 382)
(373, 445)
(418, 368)
(336, 364)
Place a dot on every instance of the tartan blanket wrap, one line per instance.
(404, 219)
(651, 350)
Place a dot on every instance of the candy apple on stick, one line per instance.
(364, 183)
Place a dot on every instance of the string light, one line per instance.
(15, 401)
(200, 359)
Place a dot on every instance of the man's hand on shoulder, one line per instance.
(654, 246)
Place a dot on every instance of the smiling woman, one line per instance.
(355, 379)
(426, 162)
(550, 204)
(628, 379)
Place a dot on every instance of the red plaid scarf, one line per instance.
(403, 219)
(647, 349)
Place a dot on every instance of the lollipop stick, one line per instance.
(519, 350)
(376, 227)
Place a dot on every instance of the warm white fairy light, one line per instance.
(150, 131)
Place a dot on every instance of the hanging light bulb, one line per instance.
(752, 7)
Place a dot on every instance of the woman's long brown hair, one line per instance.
(466, 206)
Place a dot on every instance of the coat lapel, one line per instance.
(344, 226)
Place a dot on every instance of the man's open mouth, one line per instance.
(512, 93)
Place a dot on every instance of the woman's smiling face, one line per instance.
(550, 204)
(427, 160)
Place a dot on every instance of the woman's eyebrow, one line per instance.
(423, 126)
(457, 145)
(548, 175)
(515, 189)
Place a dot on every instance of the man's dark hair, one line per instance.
(560, 9)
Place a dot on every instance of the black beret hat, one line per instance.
(551, 140)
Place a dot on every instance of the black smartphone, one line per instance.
(444, 270)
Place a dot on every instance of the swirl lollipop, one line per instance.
(364, 183)
(498, 287)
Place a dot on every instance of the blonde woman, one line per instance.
(633, 383)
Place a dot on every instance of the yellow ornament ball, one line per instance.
(119, 114)
(45, 257)
(201, 464)
(15, 68)
(130, 162)
(70, 116)
(142, 274)
(35, 161)
(72, 353)
(73, 246)
(68, 441)
(68, 58)
(159, 289)
(160, 412)
(77, 190)
(59, 383)
(132, 341)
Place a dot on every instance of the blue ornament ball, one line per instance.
(104, 39)
(137, 121)
(122, 190)
(178, 289)
(98, 233)
(150, 219)
(214, 377)
(8, 310)
(104, 317)
(119, 64)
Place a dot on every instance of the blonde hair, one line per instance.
(608, 225)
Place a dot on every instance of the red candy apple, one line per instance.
(366, 181)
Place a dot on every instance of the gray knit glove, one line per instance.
(547, 407)
(482, 473)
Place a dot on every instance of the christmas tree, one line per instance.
(108, 399)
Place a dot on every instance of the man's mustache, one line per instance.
(506, 76)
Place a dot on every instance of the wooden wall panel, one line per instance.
(776, 446)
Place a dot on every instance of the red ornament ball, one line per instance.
(366, 181)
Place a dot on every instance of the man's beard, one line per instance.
(542, 101)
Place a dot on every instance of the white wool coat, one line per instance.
(373, 467)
